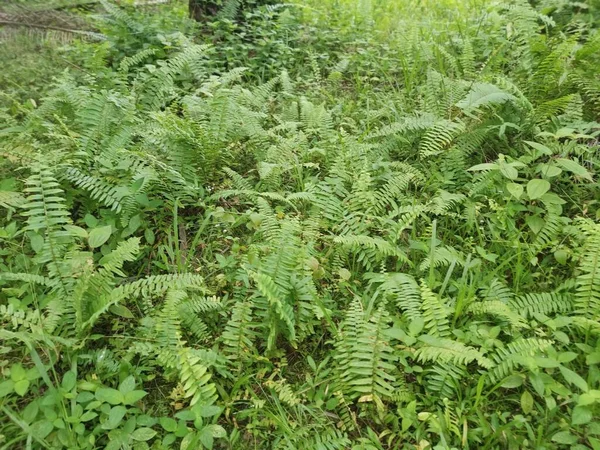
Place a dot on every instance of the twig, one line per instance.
(9, 23)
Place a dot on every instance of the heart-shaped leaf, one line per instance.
(536, 188)
(98, 236)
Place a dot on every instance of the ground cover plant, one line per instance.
(333, 224)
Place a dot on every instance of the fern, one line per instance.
(484, 95)
(403, 290)
(239, 334)
(449, 351)
(365, 359)
(587, 297)
(381, 247)
(98, 189)
(435, 312)
(495, 308)
(283, 311)
(195, 378)
(445, 379)
(544, 303)
(507, 358)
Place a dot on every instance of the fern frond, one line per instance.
(498, 309)
(434, 312)
(497, 291)
(439, 137)
(239, 334)
(366, 360)
(381, 246)
(129, 61)
(507, 358)
(98, 189)
(544, 303)
(276, 299)
(449, 351)
(444, 379)
(587, 297)
(27, 278)
(11, 200)
(195, 378)
(484, 95)
(403, 289)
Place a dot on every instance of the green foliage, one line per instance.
(322, 225)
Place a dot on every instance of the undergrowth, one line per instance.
(326, 225)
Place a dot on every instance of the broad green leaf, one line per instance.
(509, 171)
(574, 167)
(168, 424)
(149, 236)
(592, 358)
(77, 231)
(540, 148)
(90, 221)
(127, 385)
(146, 421)
(515, 189)
(110, 395)
(536, 188)
(137, 184)
(98, 236)
(588, 398)
(21, 387)
(549, 170)
(206, 438)
(535, 223)
(115, 416)
(344, 274)
(550, 198)
(6, 387)
(89, 415)
(134, 223)
(537, 381)
(168, 440)
(546, 363)
(69, 380)
(484, 166)
(185, 415)
(30, 412)
(121, 311)
(208, 410)
(37, 242)
(581, 415)
(512, 381)
(526, 402)
(189, 442)
(484, 94)
(41, 429)
(143, 434)
(564, 437)
(217, 431)
(565, 357)
(561, 256)
(17, 372)
(134, 396)
(416, 326)
(573, 378)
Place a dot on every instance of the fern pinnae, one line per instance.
(449, 351)
(434, 312)
(587, 297)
